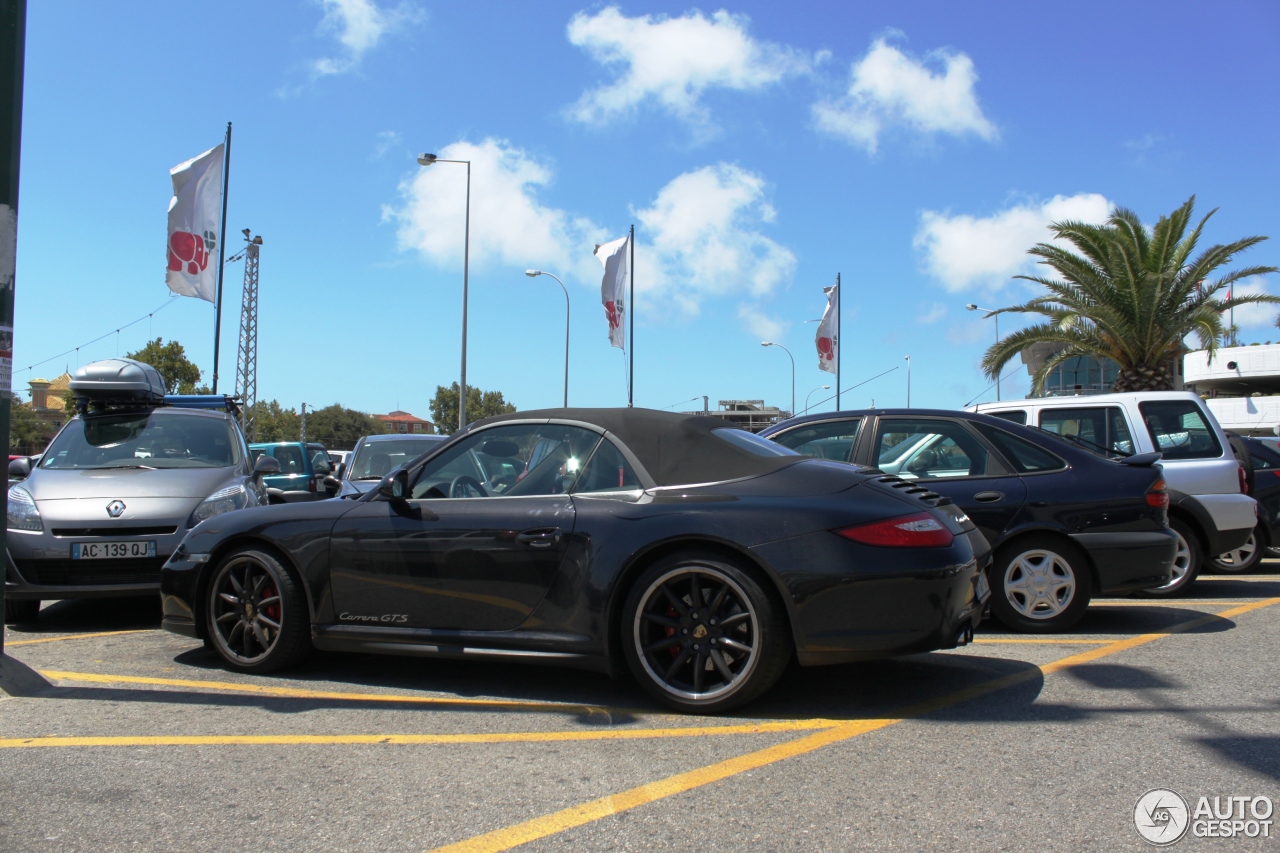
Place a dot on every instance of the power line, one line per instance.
(115, 331)
(989, 387)
(851, 387)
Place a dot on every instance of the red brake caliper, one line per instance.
(671, 632)
(272, 610)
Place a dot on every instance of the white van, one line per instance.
(1207, 505)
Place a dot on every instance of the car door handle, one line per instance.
(543, 537)
(989, 497)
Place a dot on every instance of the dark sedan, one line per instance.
(698, 556)
(1261, 460)
(1066, 523)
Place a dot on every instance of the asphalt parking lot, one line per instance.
(1012, 743)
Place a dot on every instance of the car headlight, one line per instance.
(223, 500)
(23, 514)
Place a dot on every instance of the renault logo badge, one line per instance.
(115, 509)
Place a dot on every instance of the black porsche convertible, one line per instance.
(696, 555)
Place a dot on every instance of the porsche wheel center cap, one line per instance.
(700, 632)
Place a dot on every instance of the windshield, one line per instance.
(377, 459)
(157, 439)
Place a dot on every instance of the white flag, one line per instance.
(195, 214)
(828, 336)
(613, 289)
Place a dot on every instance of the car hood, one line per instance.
(51, 484)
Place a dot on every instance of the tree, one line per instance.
(339, 428)
(276, 423)
(180, 375)
(1130, 296)
(480, 404)
(28, 432)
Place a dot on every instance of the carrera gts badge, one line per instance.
(115, 509)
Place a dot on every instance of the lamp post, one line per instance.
(908, 381)
(990, 313)
(428, 160)
(535, 274)
(793, 371)
(810, 394)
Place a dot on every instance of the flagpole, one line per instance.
(222, 242)
(631, 369)
(839, 339)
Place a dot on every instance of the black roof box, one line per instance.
(118, 380)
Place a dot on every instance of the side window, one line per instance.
(1026, 457)
(1100, 428)
(519, 460)
(1260, 464)
(928, 448)
(828, 440)
(1018, 416)
(608, 471)
(320, 461)
(1179, 430)
(290, 459)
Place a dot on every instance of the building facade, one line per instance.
(406, 424)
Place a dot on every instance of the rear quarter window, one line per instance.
(1017, 416)
(1180, 430)
(1027, 457)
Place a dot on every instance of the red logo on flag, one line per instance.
(189, 250)
(825, 350)
(611, 311)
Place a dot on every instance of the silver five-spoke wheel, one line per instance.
(1039, 584)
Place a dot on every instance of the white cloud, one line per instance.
(509, 225)
(358, 25)
(887, 87)
(385, 141)
(672, 61)
(965, 252)
(935, 313)
(1249, 316)
(760, 324)
(703, 230)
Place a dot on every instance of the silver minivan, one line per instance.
(1208, 508)
(118, 488)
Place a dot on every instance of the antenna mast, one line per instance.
(247, 360)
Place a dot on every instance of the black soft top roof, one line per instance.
(675, 450)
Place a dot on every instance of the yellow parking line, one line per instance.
(1036, 641)
(1272, 578)
(557, 822)
(9, 643)
(294, 693)
(1182, 602)
(493, 737)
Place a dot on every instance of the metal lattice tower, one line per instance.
(247, 360)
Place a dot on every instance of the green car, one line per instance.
(303, 468)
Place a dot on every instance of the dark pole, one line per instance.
(466, 272)
(839, 339)
(222, 242)
(13, 36)
(631, 369)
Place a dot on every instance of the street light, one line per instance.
(991, 313)
(793, 371)
(535, 274)
(428, 160)
(810, 394)
(908, 381)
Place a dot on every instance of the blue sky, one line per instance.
(760, 149)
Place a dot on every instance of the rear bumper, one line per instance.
(1128, 562)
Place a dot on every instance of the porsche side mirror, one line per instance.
(266, 465)
(20, 469)
(395, 487)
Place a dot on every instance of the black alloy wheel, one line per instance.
(256, 616)
(701, 635)
(1186, 562)
(1041, 584)
(1243, 559)
(20, 612)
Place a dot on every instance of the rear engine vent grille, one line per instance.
(114, 531)
(90, 572)
(908, 487)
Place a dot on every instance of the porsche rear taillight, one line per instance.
(919, 530)
(1157, 496)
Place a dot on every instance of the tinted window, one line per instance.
(290, 459)
(1101, 428)
(377, 459)
(151, 439)
(1018, 416)
(926, 448)
(608, 471)
(829, 440)
(1261, 464)
(1025, 456)
(1179, 430)
(319, 459)
(753, 443)
(508, 461)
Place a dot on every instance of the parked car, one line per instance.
(698, 556)
(1262, 462)
(119, 486)
(376, 456)
(1208, 507)
(1066, 523)
(303, 468)
(338, 459)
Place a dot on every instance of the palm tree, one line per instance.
(1130, 296)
